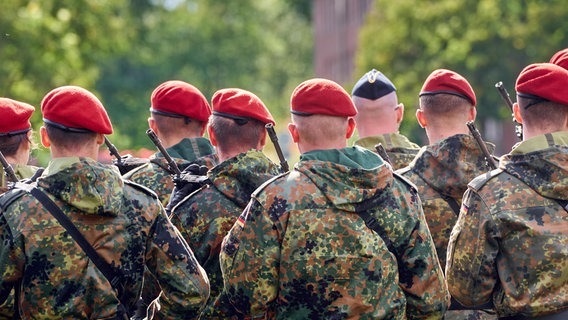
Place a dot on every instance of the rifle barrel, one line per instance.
(274, 138)
(482, 145)
(8, 169)
(173, 165)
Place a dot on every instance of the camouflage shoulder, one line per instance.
(405, 180)
(138, 169)
(8, 197)
(141, 188)
(478, 182)
(268, 182)
(403, 171)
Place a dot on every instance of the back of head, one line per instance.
(179, 107)
(446, 96)
(542, 99)
(320, 111)
(374, 96)
(73, 116)
(238, 120)
(14, 125)
(560, 58)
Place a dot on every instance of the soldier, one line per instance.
(237, 130)
(15, 145)
(510, 244)
(15, 138)
(442, 169)
(124, 222)
(379, 116)
(302, 248)
(179, 115)
(560, 58)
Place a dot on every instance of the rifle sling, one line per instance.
(113, 278)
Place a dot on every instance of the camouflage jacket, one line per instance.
(205, 217)
(156, 174)
(22, 172)
(400, 150)
(510, 244)
(300, 250)
(441, 172)
(124, 222)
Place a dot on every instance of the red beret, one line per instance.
(240, 104)
(75, 109)
(560, 58)
(321, 96)
(14, 117)
(544, 81)
(449, 82)
(180, 99)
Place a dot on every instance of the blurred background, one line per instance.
(122, 49)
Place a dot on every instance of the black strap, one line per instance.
(113, 278)
(374, 225)
(563, 204)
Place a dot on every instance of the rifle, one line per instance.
(113, 151)
(274, 138)
(171, 163)
(124, 163)
(482, 145)
(383, 153)
(8, 170)
(505, 95)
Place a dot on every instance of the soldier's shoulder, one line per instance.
(140, 188)
(10, 196)
(398, 175)
(269, 182)
(478, 182)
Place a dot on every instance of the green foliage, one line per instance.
(122, 49)
(484, 40)
(212, 45)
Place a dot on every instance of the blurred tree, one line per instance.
(261, 46)
(485, 40)
(122, 49)
(47, 43)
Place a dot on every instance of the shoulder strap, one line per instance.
(102, 265)
(374, 225)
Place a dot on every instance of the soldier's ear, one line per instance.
(399, 109)
(212, 136)
(421, 119)
(517, 113)
(44, 138)
(350, 128)
(153, 126)
(293, 132)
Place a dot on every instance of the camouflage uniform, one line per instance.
(22, 172)
(441, 172)
(300, 250)
(510, 244)
(206, 216)
(155, 175)
(400, 150)
(126, 225)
